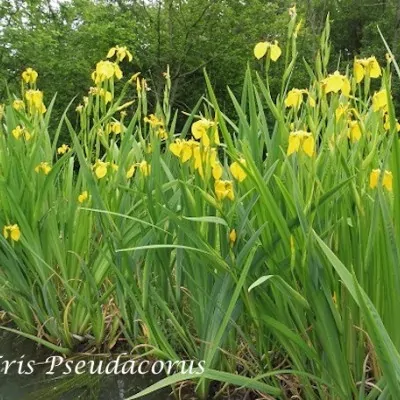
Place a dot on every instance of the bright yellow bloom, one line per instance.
(44, 167)
(19, 131)
(386, 124)
(183, 149)
(145, 168)
(157, 124)
(294, 98)
(200, 129)
(335, 82)
(387, 181)
(114, 127)
(354, 132)
(379, 100)
(366, 66)
(83, 197)
(29, 76)
(106, 70)
(34, 99)
(100, 169)
(13, 231)
(120, 53)
(237, 171)
(261, 48)
(63, 149)
(153, 121)
(130, 171)
(301, 140)
(217, 171)
(224, 189)
(18, 105)
(232, 237)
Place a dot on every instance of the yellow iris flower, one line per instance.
(83, 197)
(29, 76)
(114, 127)
(34, 99)
(261, 49)
(386, 124)
(224, 189)
(217, 171)
(354, 132)
(379, 100)
(130, 171)
(237, 171)
(301, 140)
(366, 66)
(157, 124)
(63, 149)
(294, 98)
(44, 167)
(106, 70)
(12, 231)
(145, 168)
(120, 52)
(100, 169)
(200, 129)
(18, 105)
(20, 131)
(336, 82)
(387, 181)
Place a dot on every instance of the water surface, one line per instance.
(39, 386)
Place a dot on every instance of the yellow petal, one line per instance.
(198, 129)
(111, 52)
(186, 153)
(15, 233)
(260, 49)
(237, 171)
(355, 131)
(130, 172)
(358, 71)
(294, 144)
(333, 83)
(379, 100)
(176, 148)
(346, 87)
(217, 171)
(275, 51)
(388, 181)
(294, 98)
(373, 178)
(101, 171)
(374, 68)
(309, 146)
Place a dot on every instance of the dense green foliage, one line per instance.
(261, 235)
